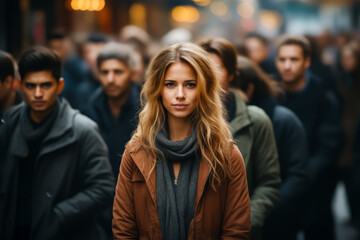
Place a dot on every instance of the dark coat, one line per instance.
(319, 112)
(292, 148)
(252, 131)
(72, 178)
(116, 132)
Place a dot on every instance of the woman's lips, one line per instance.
(180, 106)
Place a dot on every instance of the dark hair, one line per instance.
(258, 36)
(122, 52)
(224, 49)
(6, 66)
(56, 35)
(97, 38)
(250, 72)
(39, 59)
(295, 40)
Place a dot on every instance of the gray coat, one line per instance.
(72, 178)
(253, 133)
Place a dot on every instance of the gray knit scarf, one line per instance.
(176, 201)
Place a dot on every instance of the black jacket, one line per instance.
(116, 132)
(72, 178)
(292, 148)
(319, 112)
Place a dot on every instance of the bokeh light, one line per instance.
(87, 5)
(245, 10)
(271, 20)
(202, 2)
(185, 13)
(219, 8)
(137, 15)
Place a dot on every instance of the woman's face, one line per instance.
(225, 78)
(180, 94)
(348, 60)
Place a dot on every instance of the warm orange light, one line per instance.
(185, 14)
(87, 5)
(270, 19)
(202, 2)
(245, 10)
(137, 15)
(219, 8)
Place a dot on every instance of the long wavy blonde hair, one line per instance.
(213, 136)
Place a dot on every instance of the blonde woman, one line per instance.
(181, 176)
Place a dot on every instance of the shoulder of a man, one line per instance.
(257, 115)
(83, 123)
(13, 113)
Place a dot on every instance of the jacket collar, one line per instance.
(242, 118)
(100, 104)
(60, 135)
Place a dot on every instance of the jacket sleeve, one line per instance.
(356, 164)
(293, 155)
(236, 221)
(266, 172)
(124, 220)
(327, 144)
(97, 187)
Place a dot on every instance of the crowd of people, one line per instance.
(211, 139)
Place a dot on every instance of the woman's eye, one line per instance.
(169, 84)
(191, 85)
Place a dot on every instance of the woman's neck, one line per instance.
(179, 129)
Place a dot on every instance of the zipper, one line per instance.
(196, 207)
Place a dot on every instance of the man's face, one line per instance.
(224, 78)
(40, 90)
(5, 89)
(291, 63)
(90, 53)
(59, 47)
(348, 60)
(256, 49)
(115, 77)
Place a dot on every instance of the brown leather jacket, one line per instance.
(224, 214)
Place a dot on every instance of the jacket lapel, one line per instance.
(143, 163)
(204, 172)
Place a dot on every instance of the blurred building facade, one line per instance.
(28, 21)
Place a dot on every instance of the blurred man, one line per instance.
(90, 52)
(319, 112)
(114, 106)
(74, 68)
(8, 96)
(56, 175)
(256, 47)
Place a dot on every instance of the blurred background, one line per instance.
(26, 22)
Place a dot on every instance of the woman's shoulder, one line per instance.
(235, 153)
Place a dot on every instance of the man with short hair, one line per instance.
(114, 106)
(74, 69)
(55, 176)
(257, 49)
(8, 95)
(319, 112)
